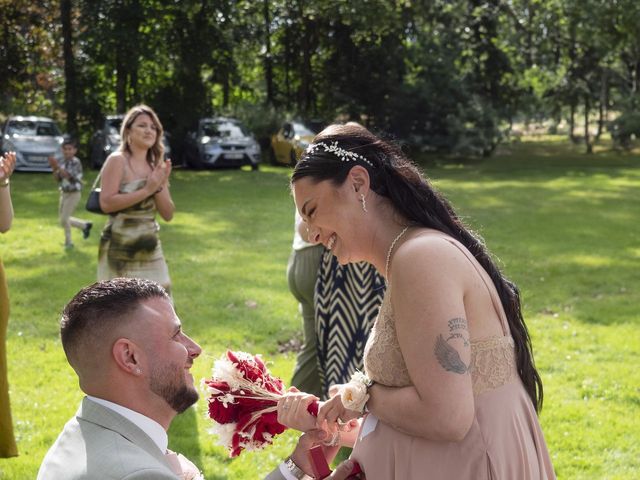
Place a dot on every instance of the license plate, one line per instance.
(38, 158)
(233, 156)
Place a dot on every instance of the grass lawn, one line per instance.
(565, 227)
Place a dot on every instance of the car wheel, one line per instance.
(293, 158)
(97, 157)
(193, 159)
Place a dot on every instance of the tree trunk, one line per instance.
(70, 78)
(305, 81)
(304, 92)
(288, 54)
(268, 65)
(121, 84)
(572, 121)
(570, 77)
(530, 29)
(602, 104)
(587, 138)
(225, 89)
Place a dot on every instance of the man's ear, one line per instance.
(127, 356)
(359, 180)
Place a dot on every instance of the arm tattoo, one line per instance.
(446, 354)
(458, 324)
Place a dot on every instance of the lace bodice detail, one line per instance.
(492, 360)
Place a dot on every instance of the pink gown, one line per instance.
(505, 440)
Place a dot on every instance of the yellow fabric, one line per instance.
(8, 446)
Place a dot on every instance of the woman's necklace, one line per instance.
(393, 244)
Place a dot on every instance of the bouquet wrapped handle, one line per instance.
(320, 466)
(313, 408)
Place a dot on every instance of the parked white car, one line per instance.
(34, 139)
(221, 142)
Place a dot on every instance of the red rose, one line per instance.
(250, 371)
(222, 413)
(260, 364)
(236, 449)
(222, 386)
(270, 424)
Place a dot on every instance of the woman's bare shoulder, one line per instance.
(114, 163)
(430, 247)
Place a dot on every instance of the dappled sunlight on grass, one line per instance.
(593, 261)
(563, 226)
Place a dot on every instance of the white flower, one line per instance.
(354, 394)
(225, 370)
(227, 399)
(224, 432)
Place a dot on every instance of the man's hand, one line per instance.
(343, 471)
(300, 456)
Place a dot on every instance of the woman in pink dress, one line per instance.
(452, 390)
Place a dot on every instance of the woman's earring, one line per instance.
(364, 203)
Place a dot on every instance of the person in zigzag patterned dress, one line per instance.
(347, 301)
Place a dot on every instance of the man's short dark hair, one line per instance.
(100, 308)
(69, 140)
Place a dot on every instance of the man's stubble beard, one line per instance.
(168, 382)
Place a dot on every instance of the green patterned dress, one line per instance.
(130, 245)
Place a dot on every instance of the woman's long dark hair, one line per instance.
(395, 177)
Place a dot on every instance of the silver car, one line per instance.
(221, 142)
(34, 139)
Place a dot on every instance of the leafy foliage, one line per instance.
(447, 75)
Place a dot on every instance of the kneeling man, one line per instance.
(126, 344)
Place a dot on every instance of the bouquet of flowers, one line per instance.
(243, 399)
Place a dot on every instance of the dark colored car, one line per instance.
(221, 142)
(34, 139)
(107, 140)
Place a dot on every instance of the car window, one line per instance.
(21, 127)
(224, 130)
(302, 130)
(46, 130)
(31, 128)
(114, 126)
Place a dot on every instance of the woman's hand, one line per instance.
(333, 412)
(293, 413)
(7, 164)
(157, 178)
(168, 166)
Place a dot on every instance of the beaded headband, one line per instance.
(341, 153)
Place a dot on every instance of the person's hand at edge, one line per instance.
(343, 471)
(293, 410)
(300, 455)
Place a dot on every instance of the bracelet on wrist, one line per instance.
(4, 182)
(294, 469)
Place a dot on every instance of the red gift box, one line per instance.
(320, 466)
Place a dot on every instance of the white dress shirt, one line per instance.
(152, 428)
